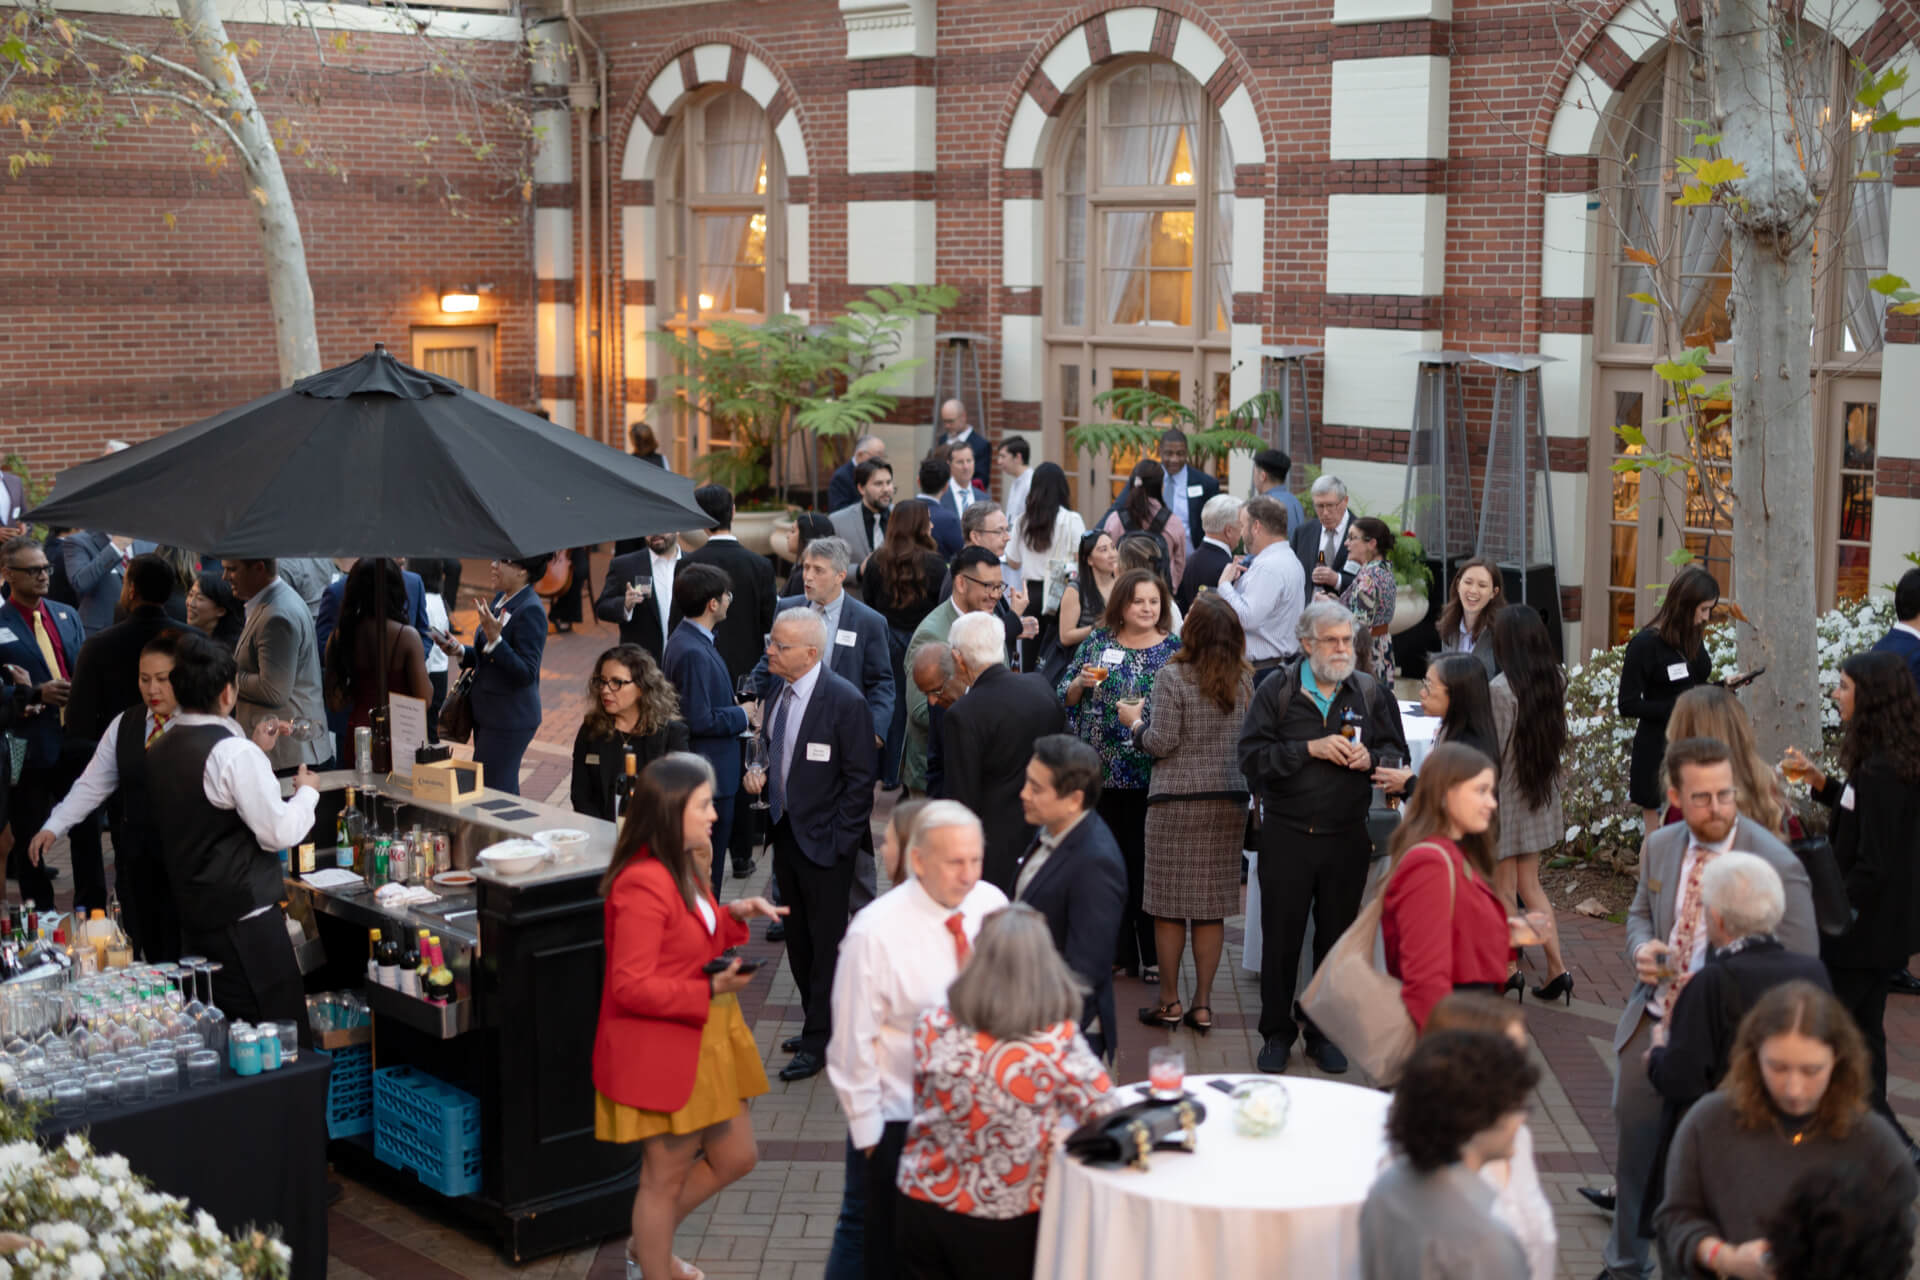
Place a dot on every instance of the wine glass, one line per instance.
(1389, 758)
(757, 767)
(302, 729)
(191, 966)
(743, 692)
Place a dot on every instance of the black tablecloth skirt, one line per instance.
(250, 1150)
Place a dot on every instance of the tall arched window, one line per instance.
(1140, 208)
(1647, 517)
(720, 227)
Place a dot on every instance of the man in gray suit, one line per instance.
(1666, 944)
(862, 525)
(279, 662)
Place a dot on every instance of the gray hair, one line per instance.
(1221, 513)
(834, 551)
(1322, 615)
(980, 638)
(803, 616)
(1015, 984)
(939, 815)
(1746, 891)
(1329, 484)
(865, 443)
(974, 519)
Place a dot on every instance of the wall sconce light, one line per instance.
(455, 299)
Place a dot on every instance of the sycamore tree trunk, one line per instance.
(289, 291)
(1771, 216)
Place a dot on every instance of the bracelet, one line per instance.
(1713, 1256)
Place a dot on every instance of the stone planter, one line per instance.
(755, 528)
(1409, 609)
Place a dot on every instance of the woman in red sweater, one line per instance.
(673, 1059)
(1442, 926)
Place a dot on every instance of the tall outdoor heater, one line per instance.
(1283, 372)
(1437, 502)
(1516, 498)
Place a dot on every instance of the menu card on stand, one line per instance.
(407, 721)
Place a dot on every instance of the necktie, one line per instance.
(1688, 923)
(777, 756)
(159, 727)
(957, 926)
(47, 651)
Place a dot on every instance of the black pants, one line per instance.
(1125, 813)
(438, 679)
(39, 789)
(1324, 874)
(1864, 993)
(938, 1244)
(146, 898)
(883, 1204)
(745, 831)
(259, 980)
(816, 898)
(723, 811)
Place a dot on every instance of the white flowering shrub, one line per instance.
(71, 1213)
(1602, 824)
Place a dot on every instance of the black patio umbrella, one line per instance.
(372, 457)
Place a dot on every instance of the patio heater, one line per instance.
(1283, 371)
(1437, 501)
(1516, 499)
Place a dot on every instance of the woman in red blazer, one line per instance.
(673, 1059)
(1442, 925)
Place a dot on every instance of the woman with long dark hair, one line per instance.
(902, 581)
(1085, 601)
(352, 665)
(1048, 536)
(673, 1059)
(1876, 813)
(1466, 621)
(1668, 657)
(1371, 596)
(1530, 715)
(212, 608)
(1456, 690)
(1145, 508)
(630, 707)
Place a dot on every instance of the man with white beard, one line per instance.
(1308, 749)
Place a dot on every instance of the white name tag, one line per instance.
(843, 636)
(1110, 657)
(1193, 491)
(1679, 671)
(1846, 797)
(7, 636)
(819, 752)
(590, 758)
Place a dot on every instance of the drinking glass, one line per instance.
(203, 1068)
(1389, 758)
(289, 1042)
(191, 966)
(743, 692)
(1166, 1071)
(301, 729)
(642, 585)
(99, 1086)
(757, 765)
(130, 1083)
(70, 1098)
(163, 1077)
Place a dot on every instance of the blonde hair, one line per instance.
(1015, 983)
(1709, 711)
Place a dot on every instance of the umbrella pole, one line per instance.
(380, 610)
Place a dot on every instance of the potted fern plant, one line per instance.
(1138, 416)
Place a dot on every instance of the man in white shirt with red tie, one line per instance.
(898, 958)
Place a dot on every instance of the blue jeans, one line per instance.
(847, 1259)
(499, 752)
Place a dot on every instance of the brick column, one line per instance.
(554, 203)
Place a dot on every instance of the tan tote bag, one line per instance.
(1357, 1006)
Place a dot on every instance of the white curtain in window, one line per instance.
(732, 164)
(1867, 257)
(1222, 242)
(1703, 236)
(1640, 214)
(1141, 157)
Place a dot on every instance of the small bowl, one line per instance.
(1260, 1108)
(565, 843)
(511, 857)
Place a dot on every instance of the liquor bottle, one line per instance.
(373, 956)
(422, 953)
(389, 957)
(409, 971)
(350, 831)
(624, 785)
(440, 989)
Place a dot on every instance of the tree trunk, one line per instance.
(1770, 226)
(289, 291)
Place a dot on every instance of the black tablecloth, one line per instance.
(248, 1150)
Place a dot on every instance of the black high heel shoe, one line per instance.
(1162, 1015)
(1517, 984)
(1561, 986)
(1195, 1023)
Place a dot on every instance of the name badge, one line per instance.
(1193, 491)
(843, 636)
(1653, 886)
(7, 636)
(1679, 671)
(1111, 657)
(590, 759)
(1846, 797)
(819, 752)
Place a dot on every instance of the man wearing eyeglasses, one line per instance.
(977, 588)
(43, 639)
(986, 525)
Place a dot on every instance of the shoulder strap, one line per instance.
(1452, 876)
(1160, 518)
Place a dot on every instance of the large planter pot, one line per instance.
(1409, 608)
(755, 529)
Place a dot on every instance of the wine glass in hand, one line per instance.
(757, 771)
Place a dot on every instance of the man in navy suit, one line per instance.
(955, 431)
(43, 639)
(843, 488)
(702, 594)
(1073, 873)
(934, 475)
(1186, 489)
(1904, 637)
(819, 784)
(1205, 563)
(505, 697)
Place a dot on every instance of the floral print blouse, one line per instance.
(1371, 595)
(985, 1112)
(1097, 719)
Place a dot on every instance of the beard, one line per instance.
(1331, 669)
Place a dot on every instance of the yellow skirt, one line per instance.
(727, 1074)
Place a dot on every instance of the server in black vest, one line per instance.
(117, 777)
(222, 823)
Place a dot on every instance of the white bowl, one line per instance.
(514, 856)
(564, 842)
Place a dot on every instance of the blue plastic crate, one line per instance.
(350, 1092)
(430, 1127)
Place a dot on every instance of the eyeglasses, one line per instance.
(1718, 799)
(600, 683)
(1001, 531)
(993, 588)
(775, 644)
(32, 570)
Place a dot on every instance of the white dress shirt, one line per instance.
(1269, 596)
(1332, 539)
(962, 495)
(437, 620)
(98, 781)
(239, 776)
(830, 615)
(663, 567)
(1657, 1005)
(896, 962)
(795, 696)
(1174, 486)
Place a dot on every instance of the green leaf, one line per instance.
(1891, 122)
(1720, 169)
(1631, 435)
(1874, 89)
(1694, 194)
(1646, 298)
(1677, 372)
(1706, 139)
(1679, 557)
(1695, 124)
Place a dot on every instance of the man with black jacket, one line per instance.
(1307, 749)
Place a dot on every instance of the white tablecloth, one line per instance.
(1420, 730)
(1282, 1206)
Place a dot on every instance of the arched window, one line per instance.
(1647, 517)
(1140, 217)
(720, 228)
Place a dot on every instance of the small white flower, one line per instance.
(86, 1265)
(179, 1255)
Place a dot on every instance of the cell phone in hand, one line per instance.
(719, 965)
(1744, 679)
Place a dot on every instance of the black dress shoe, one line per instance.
(790, 1045)
(777, 931)
(1913, 1153)
(1904, 983)
(742, 868)
(804, 1065)
(1274, 1054)
(1600, 1198)
(1327, 1056)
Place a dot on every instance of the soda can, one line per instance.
(363, 749)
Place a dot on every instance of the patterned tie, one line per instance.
(159, 727)
(957, 926)
(777, 756)
(1688, 922)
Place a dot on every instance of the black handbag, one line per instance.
(1831, 910)
(456, 713)
(1129, 1135)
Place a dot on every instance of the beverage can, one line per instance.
(363, 749)
(306, 858)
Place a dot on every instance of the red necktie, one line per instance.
(957, 926)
